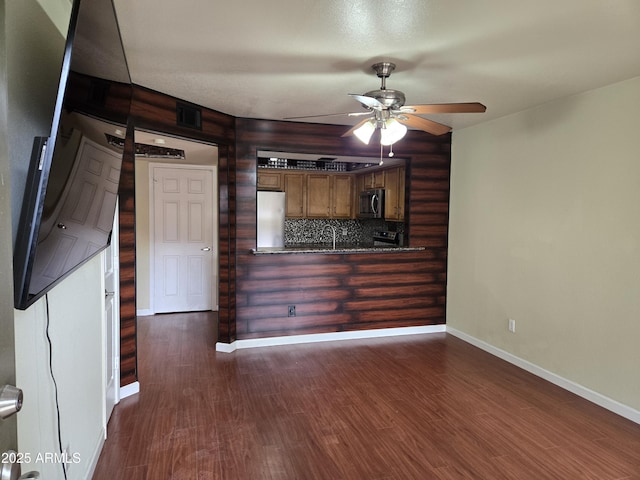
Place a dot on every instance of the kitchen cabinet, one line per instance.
(318, 196)
(269, 181)
(329, 196)
(394, 188)
(369, 180)
(294, 187)
(342, 196)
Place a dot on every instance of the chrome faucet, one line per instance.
(333, 229)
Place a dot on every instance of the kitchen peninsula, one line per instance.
(330, 250)
(363, 287)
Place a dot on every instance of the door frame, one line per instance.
(214, 223)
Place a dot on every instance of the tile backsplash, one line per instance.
(315, 231)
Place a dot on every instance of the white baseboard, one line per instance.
(129, 390)
(144, 312)
(326, 337)
(96, 455)
(594, 397)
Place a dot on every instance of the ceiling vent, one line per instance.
(188, 116)
(98, 92)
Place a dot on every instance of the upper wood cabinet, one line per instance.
(314, 195)
(295, 190)
(318, 196)
(394, 187)
(369, 180)
(269, 180)
(342, 196)
(329, 196)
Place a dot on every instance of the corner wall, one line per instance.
(8, 439)
(545, 230)
(76, 309)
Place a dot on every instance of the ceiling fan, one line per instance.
(386, 111)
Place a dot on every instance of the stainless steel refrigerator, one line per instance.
(271, 219)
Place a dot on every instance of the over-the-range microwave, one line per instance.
(371, 204)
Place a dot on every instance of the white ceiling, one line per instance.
(282, 58)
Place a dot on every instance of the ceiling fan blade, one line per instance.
(470, 107)
(350, 114)
(428, 126)
(368, 101)
(354, 128)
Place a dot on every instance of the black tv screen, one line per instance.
(72, 185)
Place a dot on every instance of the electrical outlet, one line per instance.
(512, 325)
(345, 232)
(292, 310)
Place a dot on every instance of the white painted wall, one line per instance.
(76, 309)
(545, 229)
(8, 437)
(143, 260)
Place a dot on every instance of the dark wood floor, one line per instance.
(420, 407)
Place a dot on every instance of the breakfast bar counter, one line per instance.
(323, 249)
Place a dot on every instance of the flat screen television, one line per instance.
(72, 184)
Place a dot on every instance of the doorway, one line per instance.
(193, 159)
(182, 242)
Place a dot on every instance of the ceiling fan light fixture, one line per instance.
(392, 131)
(365, 131)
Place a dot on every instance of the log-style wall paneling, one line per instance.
(111, 104)
(226, 245)
(331, 292)
(127, 245)
(157, 112)
(342, 292)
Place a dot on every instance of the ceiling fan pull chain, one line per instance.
(381, 151)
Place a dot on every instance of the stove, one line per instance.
(385, 238)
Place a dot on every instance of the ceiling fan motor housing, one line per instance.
(392, 99)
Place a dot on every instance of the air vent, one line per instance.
(98, 93)
(154, 151)
(188, 116)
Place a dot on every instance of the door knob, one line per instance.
(10, 468)
(10, 401)
(206, 249)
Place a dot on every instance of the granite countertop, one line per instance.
(328, 249)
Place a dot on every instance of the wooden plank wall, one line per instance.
(331, 292)
(154, 111)
(342, 292)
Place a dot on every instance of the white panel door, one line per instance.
(182, 239)
(112, 323)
